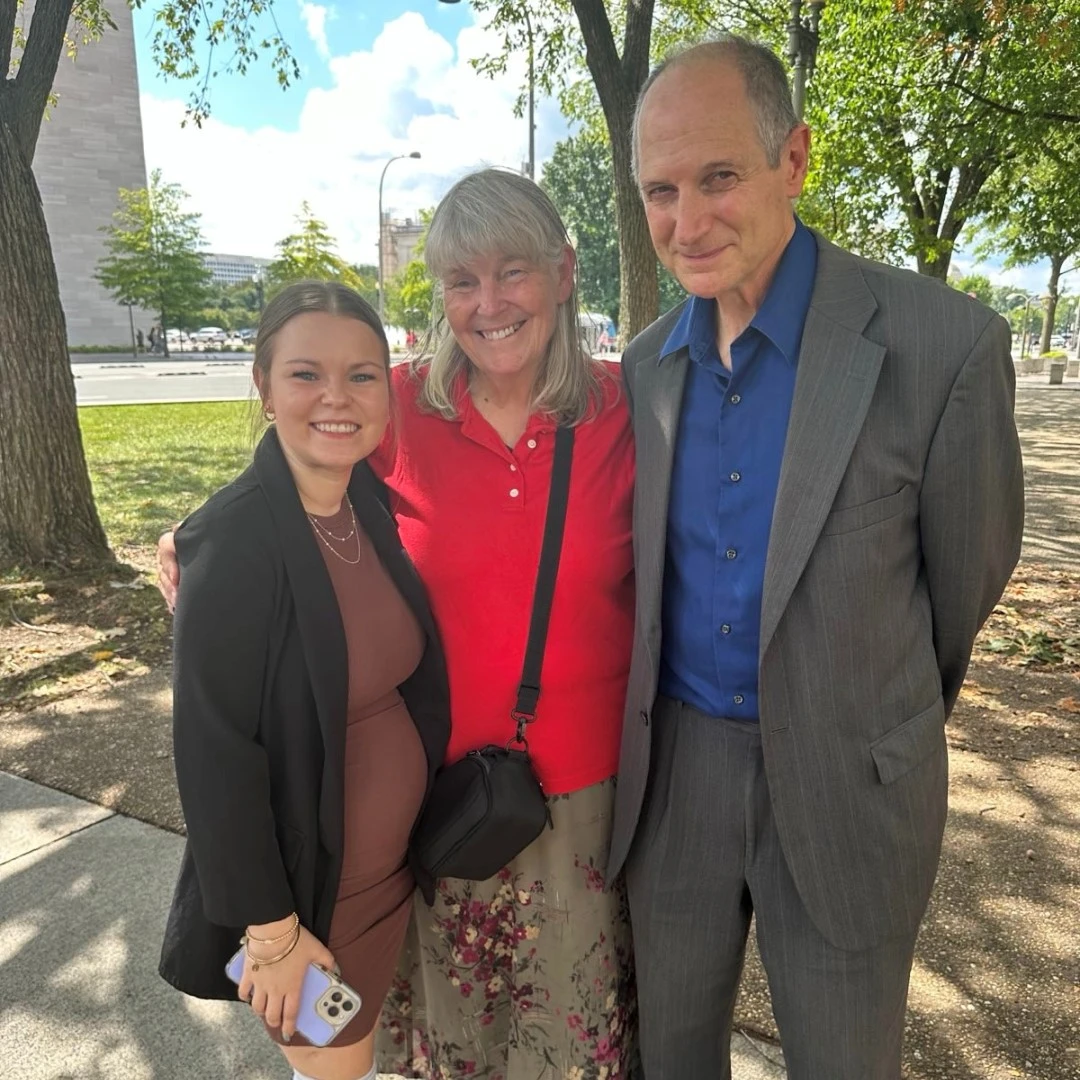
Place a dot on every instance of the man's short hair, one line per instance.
(764, 76)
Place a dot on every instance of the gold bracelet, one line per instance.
(281, 937)
(257, 962)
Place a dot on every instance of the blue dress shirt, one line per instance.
(724, 477)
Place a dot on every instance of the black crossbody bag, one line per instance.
(488, 807)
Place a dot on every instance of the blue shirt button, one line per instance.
(726, 628)
(731, 553)
(735, 399)
(736, 477)
(738, 699)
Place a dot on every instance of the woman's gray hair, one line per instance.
(498, 212)
(766, 83)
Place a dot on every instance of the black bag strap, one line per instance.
(524, 712)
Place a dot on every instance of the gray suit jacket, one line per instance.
(897, 523)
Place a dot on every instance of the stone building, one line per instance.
(399, 240)
(90, 146)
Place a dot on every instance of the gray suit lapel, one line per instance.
(657, 402)
(837, 374)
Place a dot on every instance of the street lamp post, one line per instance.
(131, 320)
(1024, 327)
(382, 289)
(803, 38)
(531, 164)
(1023, 322)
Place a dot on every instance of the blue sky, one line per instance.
(386, 80)
(378, 78)
(256, 100)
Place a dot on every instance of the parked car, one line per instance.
(210, 334)
(245, 335)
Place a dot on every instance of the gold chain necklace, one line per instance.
(326, 532)
(323, 533)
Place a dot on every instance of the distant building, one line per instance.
(233, 269)
(91, 146)
(399, 240)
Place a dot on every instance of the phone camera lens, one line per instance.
(347, 1005)
(335, 996)
(333, 1010)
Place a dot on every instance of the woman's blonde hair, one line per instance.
(495, 211)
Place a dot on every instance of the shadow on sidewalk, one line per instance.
(1049, 428)
(79, 993)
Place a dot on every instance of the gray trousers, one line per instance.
(707, 856)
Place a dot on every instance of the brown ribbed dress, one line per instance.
(385, 769)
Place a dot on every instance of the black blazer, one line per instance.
(260, 693)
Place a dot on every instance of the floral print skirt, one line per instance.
(528, 976)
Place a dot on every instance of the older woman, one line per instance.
(528, 975)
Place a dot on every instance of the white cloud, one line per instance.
(413, 90)
(314, 17)
(1031, 279)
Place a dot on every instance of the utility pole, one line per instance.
(530, 165)
(532, 97)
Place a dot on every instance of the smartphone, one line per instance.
(327, 1003)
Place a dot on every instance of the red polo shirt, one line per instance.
(471, 514)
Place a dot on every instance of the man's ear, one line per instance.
(795, 159)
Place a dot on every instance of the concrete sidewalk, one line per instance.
(83, 896)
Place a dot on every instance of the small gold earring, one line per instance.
(269, 415)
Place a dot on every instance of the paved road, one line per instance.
(206, 377)
(116, 382)
(120, 380)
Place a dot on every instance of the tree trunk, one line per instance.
(639, 295)
(936, 268)
(617, 80)
(1056, 263)
(47, 512)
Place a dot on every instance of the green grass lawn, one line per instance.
(152, 464)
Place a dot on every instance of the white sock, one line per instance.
(371, 1074)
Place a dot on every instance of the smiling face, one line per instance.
(502, 310)
(329, 390)
(719, 215)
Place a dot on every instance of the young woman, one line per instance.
(310, 696)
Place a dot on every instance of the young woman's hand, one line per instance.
(274, 990)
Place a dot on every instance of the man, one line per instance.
(829, 504)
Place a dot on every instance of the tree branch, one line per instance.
(37, 70)
(1012, 110)
(7, 34)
